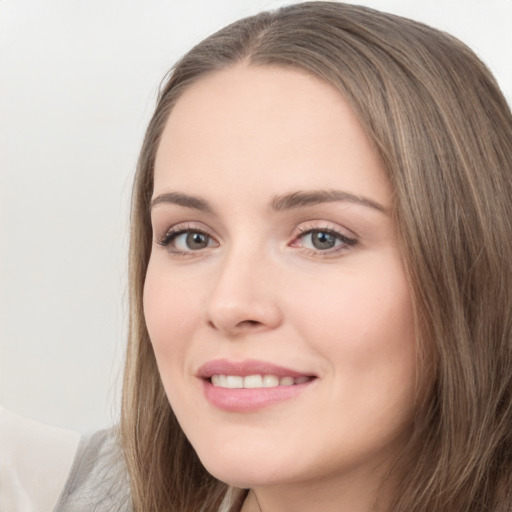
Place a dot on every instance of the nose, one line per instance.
(244, 297)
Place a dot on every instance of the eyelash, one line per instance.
(174, 232)
(344, 246)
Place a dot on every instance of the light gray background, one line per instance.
(78, 81)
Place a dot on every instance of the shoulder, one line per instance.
(98, 481)
(35, 460)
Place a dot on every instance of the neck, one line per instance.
(351, 495)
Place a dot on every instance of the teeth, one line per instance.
(270, 381)
(255, 381)
(234, 381)
(287, 381)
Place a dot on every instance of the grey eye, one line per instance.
(195, 240)
(187, 241)
(323, 240)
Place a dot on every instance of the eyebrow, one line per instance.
(294, 200)
(302, 199)
(195, 203)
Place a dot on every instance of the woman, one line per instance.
(320, 273)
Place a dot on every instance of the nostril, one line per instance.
(243, 323)
(249, 323)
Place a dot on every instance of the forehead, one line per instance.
(268, 123)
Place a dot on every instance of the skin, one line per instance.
(261, 289)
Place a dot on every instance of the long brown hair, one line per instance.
(444, 132)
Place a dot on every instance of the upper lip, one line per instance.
(245, 368)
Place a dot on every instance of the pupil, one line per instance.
(322, 240)
(197, 241)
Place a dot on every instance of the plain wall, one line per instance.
(78, 81)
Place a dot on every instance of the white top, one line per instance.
(35, 460)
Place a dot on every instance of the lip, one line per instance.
(245, 368)
(249, 399)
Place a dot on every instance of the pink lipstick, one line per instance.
(244, 386)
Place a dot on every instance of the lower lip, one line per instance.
(250, 399)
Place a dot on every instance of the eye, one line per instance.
(192, 240)
(324, 241)
(321, 240)
(183, 240)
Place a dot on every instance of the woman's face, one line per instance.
(275, 297)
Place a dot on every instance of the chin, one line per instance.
(244, 470)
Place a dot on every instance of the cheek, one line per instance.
(170, 311)
(363, 325)
(171, 315)
(356, 306)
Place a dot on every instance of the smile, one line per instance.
(251, 385)
(256, 381)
